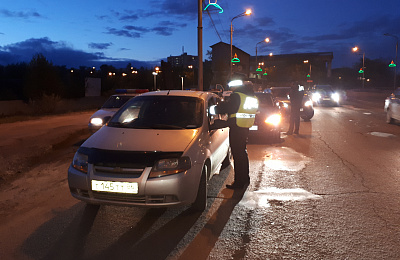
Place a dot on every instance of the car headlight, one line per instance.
(308, 103)
(274, 119)
(96, 121)
(80, 162)
(170, 166)
(335, 97)
(316, 97)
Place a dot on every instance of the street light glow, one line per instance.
(355, 49)
(248, 12)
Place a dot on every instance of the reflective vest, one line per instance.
(246, 114)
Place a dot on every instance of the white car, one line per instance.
(392, 107)
(113, 103)
(156, 151)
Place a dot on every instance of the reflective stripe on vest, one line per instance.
(247, 111)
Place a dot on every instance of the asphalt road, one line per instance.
(331, 192)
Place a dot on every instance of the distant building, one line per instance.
(274, 69)
(221, 62)
(183, 60)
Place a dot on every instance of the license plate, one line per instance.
(115, 186)
(254, 127)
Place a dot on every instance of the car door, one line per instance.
(395, 105)
(218, 138)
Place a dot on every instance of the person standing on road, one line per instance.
(296, 102)
(241, 108)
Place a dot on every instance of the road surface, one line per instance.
(332, 192)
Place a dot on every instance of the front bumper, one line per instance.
(172, 190)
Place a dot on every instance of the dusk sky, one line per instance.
(87, 33)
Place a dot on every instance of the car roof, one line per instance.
(126, 95)
(181, 93)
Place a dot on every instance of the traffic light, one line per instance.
(361, 70)
(308, 75)
(392, 64)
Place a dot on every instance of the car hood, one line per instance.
(125, 139)
(104, 112)
(267, 110)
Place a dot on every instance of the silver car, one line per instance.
(156, 151)
(392, 107)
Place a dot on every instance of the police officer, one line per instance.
(296, 102)
(241, 108)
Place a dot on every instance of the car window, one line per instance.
(116, 101)
(265, 99)
(160, 112)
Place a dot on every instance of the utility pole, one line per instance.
(200, 45)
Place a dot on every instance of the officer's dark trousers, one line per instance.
(294, 123)
(238, 141)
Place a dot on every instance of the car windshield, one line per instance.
(324, 89)
(116, 101)
(264, 99)
(280, 92)
(160, 112)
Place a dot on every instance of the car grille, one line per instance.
(123, 172)
(123, 197)
(119, 197)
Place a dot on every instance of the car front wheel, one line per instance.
(389, 118)
(200, 203)
(228, 159)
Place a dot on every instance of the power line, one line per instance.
(215, 28)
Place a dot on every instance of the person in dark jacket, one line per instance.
(296, 102)
(241, 108)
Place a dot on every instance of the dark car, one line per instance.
(281, 97)
(392, 107)
(268, 118)
(324, 95)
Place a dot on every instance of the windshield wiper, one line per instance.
(165, 126)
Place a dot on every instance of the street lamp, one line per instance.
(397, 46)
(356, 49)
(306, 61)
(247, 12)
(155, 73)
(266, 40)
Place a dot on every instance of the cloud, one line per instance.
(136, 28)
(100, 46)
(165, 28)
(24, 15)
(59, 53)
(123, 32)
(187, 8)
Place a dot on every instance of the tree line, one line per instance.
(38, 78)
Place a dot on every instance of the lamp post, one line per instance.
(247, 12)
(155, 73)
(397, 46)
(266, 40)
(306, 61)
(356, 49)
